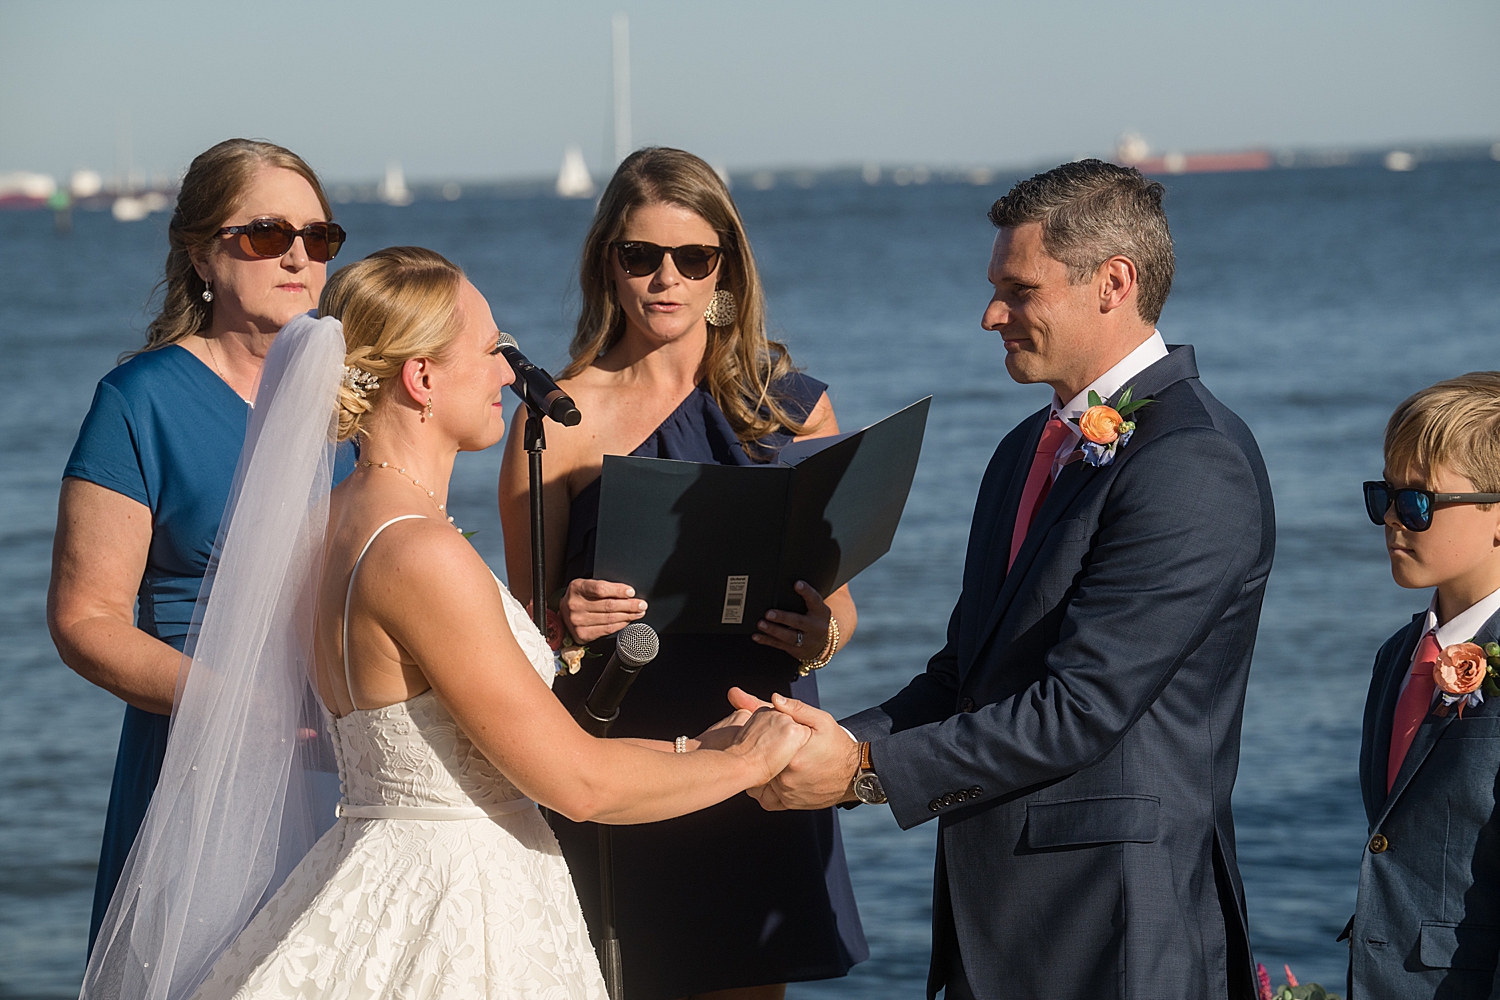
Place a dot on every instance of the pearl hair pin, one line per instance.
(418, 484)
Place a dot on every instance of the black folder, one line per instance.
(712, 548)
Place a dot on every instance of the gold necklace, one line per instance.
(215, 359)
(443, 508)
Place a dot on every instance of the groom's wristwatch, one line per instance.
(866, 782)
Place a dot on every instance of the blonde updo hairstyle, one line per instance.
(397, 304)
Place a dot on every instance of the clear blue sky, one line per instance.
(499, 89)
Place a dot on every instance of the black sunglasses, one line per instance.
(694, 260)
(1413, 506)
(274, 237)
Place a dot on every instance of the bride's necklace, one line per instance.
(215, 359)
(418, 484)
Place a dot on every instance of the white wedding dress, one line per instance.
(439, 879)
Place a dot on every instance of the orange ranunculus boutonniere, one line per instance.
(1465, 672)
(1105, 429)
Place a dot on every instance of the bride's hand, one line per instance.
(769, 740)
(594, 608)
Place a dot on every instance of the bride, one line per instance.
(358, 634)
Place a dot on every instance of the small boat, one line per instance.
(573, 180)
(23, 189)
(393, 189)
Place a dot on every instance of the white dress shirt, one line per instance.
(1152, 350)
(1460, 628)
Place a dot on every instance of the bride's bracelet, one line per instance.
(831, 647)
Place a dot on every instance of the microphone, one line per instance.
(535, 386)
(637, 646)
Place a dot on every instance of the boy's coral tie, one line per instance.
(1413, 706)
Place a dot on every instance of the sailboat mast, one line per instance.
(622, 86)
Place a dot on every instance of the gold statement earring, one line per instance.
(427, 410)
(721, 309)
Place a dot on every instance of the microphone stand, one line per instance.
(534, 437)
(609, 937)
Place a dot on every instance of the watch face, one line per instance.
(867, 789)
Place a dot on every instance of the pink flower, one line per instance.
(1291, 980)
(1265, 982)
(554, 627)
(1100, 424)
(1460, 668)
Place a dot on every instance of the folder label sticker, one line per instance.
(734, 600)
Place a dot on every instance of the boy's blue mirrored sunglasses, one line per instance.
(1414, 506)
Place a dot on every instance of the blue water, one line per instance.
(1317, 300)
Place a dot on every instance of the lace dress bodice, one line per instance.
(412, 756)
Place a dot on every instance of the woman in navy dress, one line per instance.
(671, 360)
(146, 485)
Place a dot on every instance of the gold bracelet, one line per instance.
(829, 648)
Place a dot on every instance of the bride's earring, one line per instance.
(208, 293)
(427, 410)
(721, 309)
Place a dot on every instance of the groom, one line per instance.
(1077, 738)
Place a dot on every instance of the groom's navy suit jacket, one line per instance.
(1427, 923)
(1077, 738)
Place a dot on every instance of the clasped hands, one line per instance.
(822, 770)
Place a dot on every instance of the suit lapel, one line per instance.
(1390, 692)
(1179, 364)
(1431, 729)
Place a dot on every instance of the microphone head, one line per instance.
(638, 644)
(506, 340)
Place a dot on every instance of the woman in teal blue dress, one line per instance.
(146, 484)
(671, 360)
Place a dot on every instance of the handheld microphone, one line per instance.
(535, 386)
(637, 646)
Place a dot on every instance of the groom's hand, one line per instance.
(821, 773)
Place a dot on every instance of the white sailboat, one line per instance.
(573, 180)
(393, 189)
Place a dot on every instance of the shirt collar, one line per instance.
(1152, 350)
(1466, 623)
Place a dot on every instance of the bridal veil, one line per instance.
(247, 786)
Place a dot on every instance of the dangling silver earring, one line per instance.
(721, 309)
(427, 410)
(208, 293)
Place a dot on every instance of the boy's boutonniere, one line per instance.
(1105, 429)
(1465, 672)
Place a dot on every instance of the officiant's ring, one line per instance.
(799, 638)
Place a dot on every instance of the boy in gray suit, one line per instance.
(1427, 921)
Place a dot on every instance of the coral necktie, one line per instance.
(1413, 706)
(1038, 482)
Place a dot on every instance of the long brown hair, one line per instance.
(211, 191)
(397, 304)
(740, 364)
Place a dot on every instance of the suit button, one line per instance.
(975, 792)
(961, 795)
(967, 705)
(948, 799)
(1378, 844)
(934, 805)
